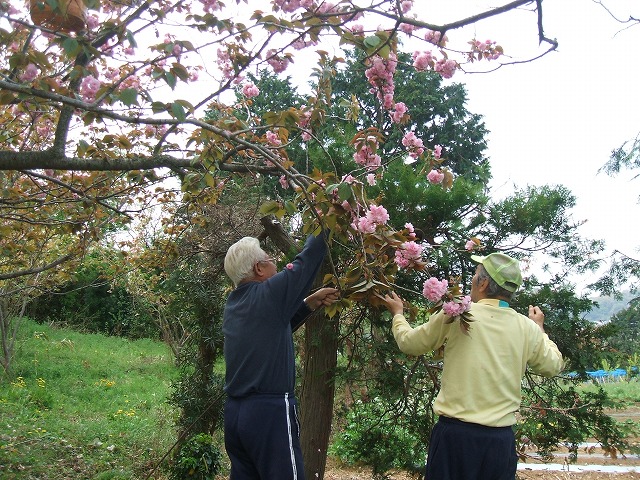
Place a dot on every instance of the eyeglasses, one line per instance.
(267, 260)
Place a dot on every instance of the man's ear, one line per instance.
(483, 285)
(258, 270)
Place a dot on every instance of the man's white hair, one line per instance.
(241, 257)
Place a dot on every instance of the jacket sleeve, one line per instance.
(422, 339)
(288, 288)
(300, 317)
(545, 359)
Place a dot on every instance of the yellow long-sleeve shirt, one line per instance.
(482, 373)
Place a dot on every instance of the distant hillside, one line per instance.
(609, 306)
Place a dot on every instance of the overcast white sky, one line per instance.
(556, 120)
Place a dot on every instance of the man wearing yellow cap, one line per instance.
(482, 372)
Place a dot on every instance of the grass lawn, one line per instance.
(81, 406)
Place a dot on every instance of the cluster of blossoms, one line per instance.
(380, 76)
(436, 38)
(377, 215)
(155, 130)
(290, 6)
(211, 6)
(30, 73)
(89, 87)
(487, 50)
(454, 308)
(435, 177)
(273, 138)
(303, 123)
(422, 61)
(436, 290)
(277, 62)
(472, 244)
(408, 254)
(367, 155)
(398, 113)
(413, 144)
(249, 90)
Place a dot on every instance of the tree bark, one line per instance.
(317, 393)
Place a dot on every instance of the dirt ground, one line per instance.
(595, 456)
(335, 472)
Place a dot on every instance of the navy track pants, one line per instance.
(262, 437)
(468, 451)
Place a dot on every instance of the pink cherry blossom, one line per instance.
(406, 5)
(93, 22)
(30, 73)
(371, 179)
(410, 229)
(400, 109)
(446, 67)
(378, 214)
(278, 63)
(249, 90)
(455, 308)
(437, 151)
(210, 6)
(408, 28)
(408, 254)
(414, 145)
(89, 87)
(350, 179)
(284, 182)
(380, 76)
(470, 245)
(435, 38)
(422, 60)
(435, 177)
(289, 266)
(273, 138)
(433, 289)
(365, 225)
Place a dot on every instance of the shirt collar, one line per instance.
(494, 302)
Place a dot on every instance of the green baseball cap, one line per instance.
(504, 270)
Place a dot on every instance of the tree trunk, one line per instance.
(318, 388)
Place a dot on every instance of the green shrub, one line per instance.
(198, 459)
(373, 437)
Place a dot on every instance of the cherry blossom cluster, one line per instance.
(290, 6)
(423, 61)
(413, 144)
(376, 215)
(249, 90)
(304, 124)
(279, 63)
(380, 76)
(408, 254)
(487, 50)
(436, 290)
(457, 306)
(366, 154)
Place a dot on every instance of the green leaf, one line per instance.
(270, 207)
(344, 192)
(171, 79)
(372, 42)
(178, 112)
(129, 97)
(290, 207)
(157, 107)
(70, 46)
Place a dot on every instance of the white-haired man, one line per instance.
(260, 420)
